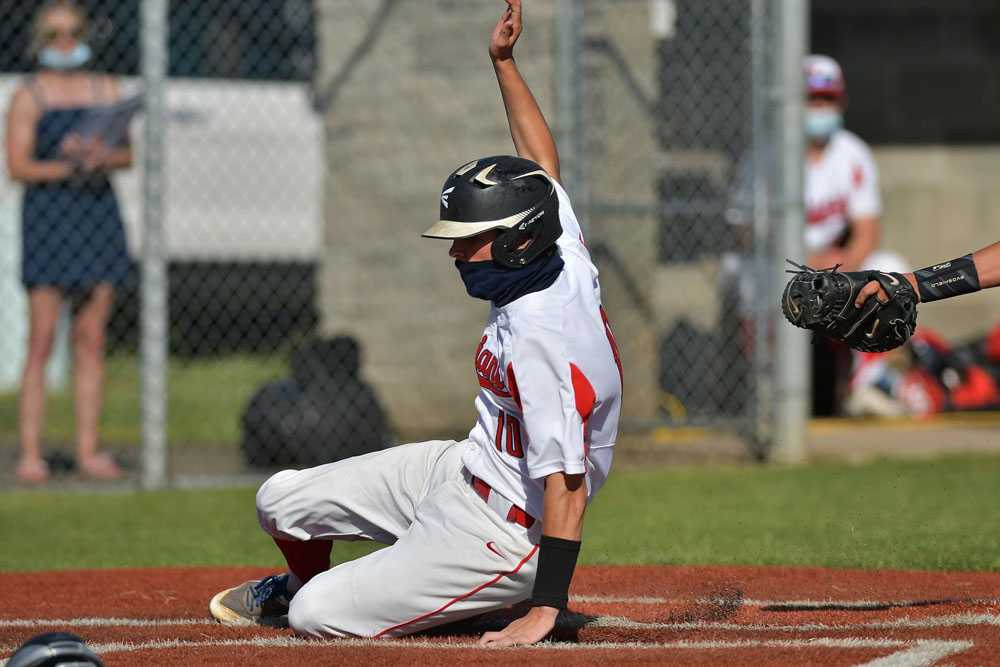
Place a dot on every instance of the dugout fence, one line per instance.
(277, 306)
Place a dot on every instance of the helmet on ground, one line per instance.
(824, 78)
(501, 192)
(54, 649)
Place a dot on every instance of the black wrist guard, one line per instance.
(556, 562)
(959, 276)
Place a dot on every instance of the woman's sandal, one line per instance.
(32, 471)
(100, 466)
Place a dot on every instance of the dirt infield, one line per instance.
(621, 615)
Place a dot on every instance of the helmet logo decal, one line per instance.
(524, 225)
(482, 176)
(444, 196)
(537, 172)
(466, 168)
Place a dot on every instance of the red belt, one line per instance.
(515, 514)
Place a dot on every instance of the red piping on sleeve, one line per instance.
(583, 392)
(585, 396)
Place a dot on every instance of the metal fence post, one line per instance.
(762, 75)
(154, 276)
(570, 104)
(792, 362)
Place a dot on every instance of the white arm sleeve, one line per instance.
(864, 200)
(600, 467)
(551, 422)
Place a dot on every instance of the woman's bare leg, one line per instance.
(89, 336)
(43, 309)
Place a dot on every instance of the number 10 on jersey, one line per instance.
(510, 428)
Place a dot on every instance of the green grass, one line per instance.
(931, 515)
(71, 530)
(915, 515)
(205, 400)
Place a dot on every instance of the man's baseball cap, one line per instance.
(824, 78)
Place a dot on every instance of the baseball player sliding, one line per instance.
(496, 519)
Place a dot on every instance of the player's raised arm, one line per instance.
(532, 138)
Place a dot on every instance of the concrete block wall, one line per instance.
(622, 165)
(939, 203)
(421, 101)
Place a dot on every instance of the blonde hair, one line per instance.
(37, 24)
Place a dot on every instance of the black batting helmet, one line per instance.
(501, 192)
(54, 649)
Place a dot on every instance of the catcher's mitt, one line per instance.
(823, 300)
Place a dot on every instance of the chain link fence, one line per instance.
(679, 202)
(249, 380)
(303, 143)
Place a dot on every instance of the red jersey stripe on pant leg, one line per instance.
(462, 597)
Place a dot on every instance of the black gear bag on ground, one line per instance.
(323, 413)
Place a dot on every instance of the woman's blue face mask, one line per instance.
(77, 57)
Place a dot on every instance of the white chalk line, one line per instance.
(912, 653)
(582, 599)
(291, 642)
(922, 654)
(102, 622)
(576, 621)
(753, 602)
(904, 623)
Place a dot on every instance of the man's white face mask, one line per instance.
(822, 123)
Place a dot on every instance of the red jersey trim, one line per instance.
(488, 371)
(464, 596)
(512, 386)
(857, 176)
(819, 213)
(614, 347)
(585, 397)
(583, 392)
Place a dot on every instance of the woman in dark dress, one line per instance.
(73, 239)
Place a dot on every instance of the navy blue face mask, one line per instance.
(500, 285)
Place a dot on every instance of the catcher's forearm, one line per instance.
(988, 265)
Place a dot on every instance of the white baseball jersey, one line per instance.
(840, 187)
(550, 383)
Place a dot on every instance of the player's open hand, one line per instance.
(506, 32)
(530, 628)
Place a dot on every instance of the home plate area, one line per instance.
(619, 615)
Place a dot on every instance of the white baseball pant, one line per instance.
(452, 554)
